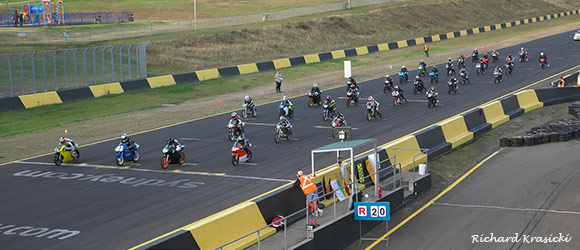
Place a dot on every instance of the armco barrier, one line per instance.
(439, 139)
(249, 68)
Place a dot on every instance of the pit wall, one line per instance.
(439, 138)
(63, 96)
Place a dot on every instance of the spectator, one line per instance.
(15, 18)
(426, 48)
(561, 82)
(309, 189)
(278, 79)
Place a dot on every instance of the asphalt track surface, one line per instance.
(122, 211)
(528, 191)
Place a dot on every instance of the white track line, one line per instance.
(509, 208)
(84, 165)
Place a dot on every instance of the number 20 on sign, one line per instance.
(372, 211)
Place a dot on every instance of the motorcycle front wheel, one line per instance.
(277, 137)
(76, 156)
(57, 159)
(235, 160)
(120, 160)
(368, 115)
(244, 114)
(231, 136)
(310, 102)
(136, 156)
(325, 115)
(165, 161)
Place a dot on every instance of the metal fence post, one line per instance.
(10, 74)
(144, 59)
(33, 73)
(54, 64)
(137, 49)
(129, 59)
(121, 62)
(112, 64)
(104, 72)
(21, 74)
(44, 69)
(65, 73)
(75, 66)
(94, 65)
(85, 64)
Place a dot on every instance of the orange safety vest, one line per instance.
(277, 77)
(561, 83)
(306, 184)
(426, 48)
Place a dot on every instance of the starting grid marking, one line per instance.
(127, 168)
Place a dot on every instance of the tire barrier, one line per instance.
(557, 131)
(208, 74)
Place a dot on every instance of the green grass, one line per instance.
(47, 117)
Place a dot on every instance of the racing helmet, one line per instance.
(328, 98)
(370, 98)
(315, 85)
(522, 48)
(352, 85)
(281, 118)
(403, 67)
(284, 98)
(235, 115)
(62, 140)
(432, 88)
(247, 98)
(417, 77)
(449, 59)
(396, 86)
(170, 140)
(541, 53)
(124, 137)
(387, 76)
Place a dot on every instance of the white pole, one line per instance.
(195, 14)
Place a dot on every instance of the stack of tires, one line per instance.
(560, 130)
(574, 110)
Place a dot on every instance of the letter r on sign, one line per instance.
(362, 211)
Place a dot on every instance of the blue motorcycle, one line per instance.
(123, 154)
(403, 77)
(434, 77)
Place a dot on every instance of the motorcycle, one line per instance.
(460, 63)
(337, 123)
(523, 56)
(495, 57)
(62, 155)
(422, 71)
(239, 155)
(249, 110)
(450, 69)
(397, 98)
(509, 68)
(479, 68)
(434, 77)
(171, 155)
(418, 87)
(388, 86)
(280, 133)
(314, 97)
(497, 76)
(403, 77)
(123, 154)
(431, 99)
(474, 57)
(235, 130)
(542, 62)
(283, 112)
(351, 97)
(452, 87)
(371, 114)
(463, 78)
(327, 111)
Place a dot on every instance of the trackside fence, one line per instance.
(41, 71)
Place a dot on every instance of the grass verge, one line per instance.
(54, 116)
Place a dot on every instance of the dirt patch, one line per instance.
(28, 145)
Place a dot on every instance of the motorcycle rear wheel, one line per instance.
(182, 158)
(254, 112)
(136, 156)
(289, 135)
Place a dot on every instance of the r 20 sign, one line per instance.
(372, 211)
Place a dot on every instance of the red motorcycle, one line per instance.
(388, 85)
(398, 98)
(542, 62)
(239, 155)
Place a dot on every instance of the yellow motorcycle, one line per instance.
(62, 155)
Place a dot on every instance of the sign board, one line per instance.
(372, 211)
(339, 192)
(347, 69)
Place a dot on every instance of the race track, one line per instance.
(115, 208)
